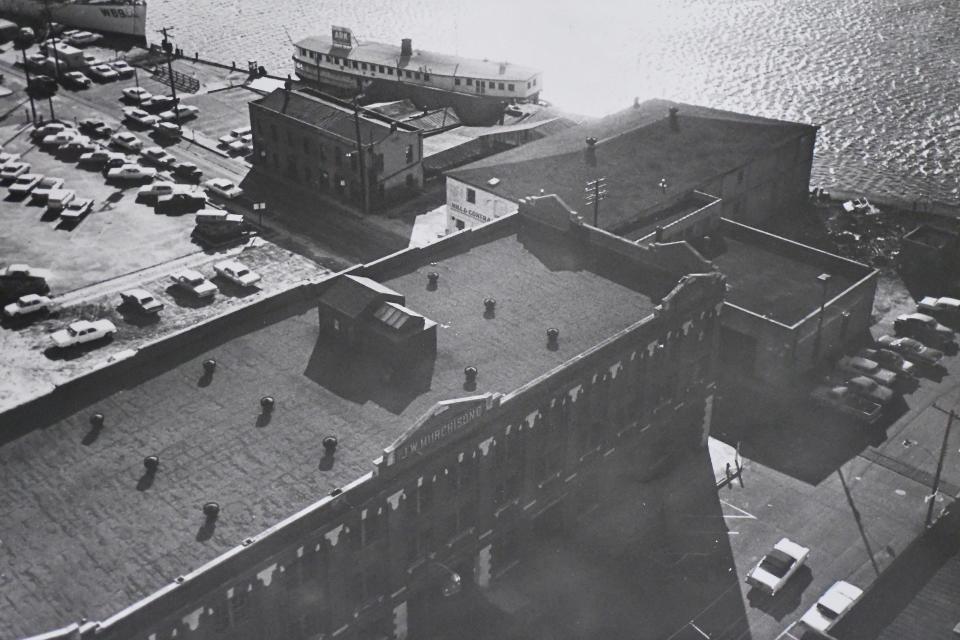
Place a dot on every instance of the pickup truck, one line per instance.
(841, 399)
(82, 331)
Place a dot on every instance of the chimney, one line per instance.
(406, 48)
(503, 68)
(636, 102)
(674, 119)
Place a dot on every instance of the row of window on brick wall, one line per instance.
(339, 154)
(406, 73)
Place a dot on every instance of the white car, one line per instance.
(237, 272)
(103, 73)
(76, 78)
(139, 116)
(41, 192)
(186, 112)
(57, 199)
(132, 172)
(157, 189)
(76, 209)
(194, 283)
(28, 304)
(157, 156)
(126, 140)
(136, 94)
(122, 68)
(25, 183)
(82, 331)
(57, 139)
(777, 566)
(858, 366)
(223, 187)
(82, 38)
(13, 170)
(8, 158)
(831, 606)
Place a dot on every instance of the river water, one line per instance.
(882, 77)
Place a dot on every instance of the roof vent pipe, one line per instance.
(406, 47)
(553, 335)
(591, 142)
(471, 374)
(432, 279)
(674, 118)
(211, 510)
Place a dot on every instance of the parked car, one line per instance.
(82, 38)
(895, 362)
(946, 310)
(90, 60)
(924, 328)
(123, 69)
(13, 170)
(89, 125)
(158, 156)
(131, 172)
(42, 190)
(830, 607)
(180, 203)
(157, 103)
(871, 390)
(25, 183)
(126, 140)
(151, 192)
(57, 139)
(777, 566)
(187, 170)
(223, 187)
(116, 162)
(7, 157)
(194, 283)
(28, 305)
(140, 117)
(167, 130)
(841, 399)
(140, 300)
(103, 73)
(75, 79)
(41, 86)
(76, 209)
(77, 147)
(863, 367)
(136, 94)
(913, 350)
(235, 134)
(237, 273)
(185, 112)
(100, 157)
(44, 130)
(60, 198)
(82, 331)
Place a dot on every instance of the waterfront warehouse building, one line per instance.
(477, 89)
(326, 146)
(431, 411)
(648, 158)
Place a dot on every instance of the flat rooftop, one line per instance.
(776, 284)
(86, 532)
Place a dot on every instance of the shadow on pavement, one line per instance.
(787, 599)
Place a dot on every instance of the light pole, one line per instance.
(824, 279)
(168, 49)
(23, 42)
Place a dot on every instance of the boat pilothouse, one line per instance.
(342, 62)
(122, 17)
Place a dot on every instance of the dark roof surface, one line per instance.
(635, 148)
(86, 532)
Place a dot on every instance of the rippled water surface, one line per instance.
(882, 77)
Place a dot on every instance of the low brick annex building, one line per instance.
(480, 389)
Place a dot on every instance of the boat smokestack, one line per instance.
(406, 47)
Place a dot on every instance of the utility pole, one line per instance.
(595, 191)
(360, 160)
(23, 43)
(168, 48)
(936, 478)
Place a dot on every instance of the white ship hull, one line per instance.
(123, 18)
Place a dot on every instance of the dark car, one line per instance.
(188, 171)
(89, 125)
(923, 328)
(157, 104)
(176, 203)
(42, 86)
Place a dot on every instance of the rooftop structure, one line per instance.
(649, 155)
(88, 530)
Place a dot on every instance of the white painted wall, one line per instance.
(487, 206)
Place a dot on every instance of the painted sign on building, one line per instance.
(438, 425)
(470, 213)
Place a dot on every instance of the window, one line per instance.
(363, 65)
(409, 153)
(419, 545)
(389, 71)
(426, 76)
(408, 74)
(500, 86)
(372, 527)
(528, 85)
(490, 84)
(469, 82)
(321, 152)
(353, 161)
(355, 65)
(424, 496)
(380, 69)
(456, 81)
(471, 196)
(336, 325)
(461, 225)
(365, 585)
(534, 82)
(416, 75)
(510, 87)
